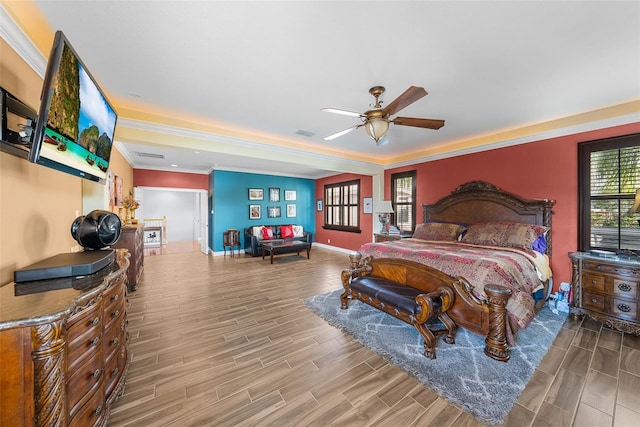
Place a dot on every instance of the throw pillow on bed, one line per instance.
(286, 231)
(438, 231)
(504, 234)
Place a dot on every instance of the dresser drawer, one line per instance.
(83, 347)
(91, 413)
(594, 282)
(626, 288)
(623, 308)
(594, 302)
(87, 318)
(84, 382)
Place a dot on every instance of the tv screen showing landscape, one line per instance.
(76, 123)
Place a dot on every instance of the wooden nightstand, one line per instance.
(606, 289)
(379, 237)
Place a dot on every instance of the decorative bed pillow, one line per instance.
(438, 231)
(267, 233)
(286, 231)
(298, 231)
(504, 234)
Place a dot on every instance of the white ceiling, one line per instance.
(267, 68)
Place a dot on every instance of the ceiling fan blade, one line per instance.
(383, 141)
(419, 123)
(342, 132)
(344, 112)
(409, 96)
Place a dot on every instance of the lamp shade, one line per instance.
(636, 204)
(384, 206)
(376, 127)
(97, 229)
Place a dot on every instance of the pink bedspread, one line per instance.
(480, 265)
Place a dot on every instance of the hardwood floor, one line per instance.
(222, 341)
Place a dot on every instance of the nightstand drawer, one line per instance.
(594, 302)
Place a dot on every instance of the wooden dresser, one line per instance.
(132, 239)
(607, 289)
(64, 351)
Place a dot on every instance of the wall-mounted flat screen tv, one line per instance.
(76, 123)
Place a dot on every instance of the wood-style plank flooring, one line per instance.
(227, 341)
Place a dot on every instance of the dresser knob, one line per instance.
(98, 411)
(115, 313)
(115, 297)
(116, 371)
(116, 341)
(95, 321)
(594, 300)
(594, 282)
(95, 341)
(624, 287)
(96, 373)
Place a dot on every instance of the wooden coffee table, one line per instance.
(274, 248)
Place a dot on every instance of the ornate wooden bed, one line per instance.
(481, 312)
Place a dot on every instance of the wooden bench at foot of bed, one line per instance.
(455, 306)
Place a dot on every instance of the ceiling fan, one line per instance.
(376, 121)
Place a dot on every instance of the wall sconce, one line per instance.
(636, 205)
(384, 211)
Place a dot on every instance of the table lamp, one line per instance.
(384, 211)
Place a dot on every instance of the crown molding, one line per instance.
(18, 40)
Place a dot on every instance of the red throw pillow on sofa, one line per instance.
(267, 233)
(286, 231)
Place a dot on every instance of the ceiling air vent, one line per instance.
(305, 133)
(151, 155)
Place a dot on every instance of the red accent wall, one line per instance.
(537, 170)
(152, 178)
(342, 239)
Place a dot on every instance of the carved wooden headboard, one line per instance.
(479, 201)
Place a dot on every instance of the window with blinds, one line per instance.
(403, 196)
(342, 206)
(609, 174)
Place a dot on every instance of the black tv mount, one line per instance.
(16, 141)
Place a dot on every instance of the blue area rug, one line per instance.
(461, 373)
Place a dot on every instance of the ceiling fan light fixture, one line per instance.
(377, 127)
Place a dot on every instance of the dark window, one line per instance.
(403, 198)
(608, 175)
(342, 206)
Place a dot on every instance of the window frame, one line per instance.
(394, 197)
(328, 204)
(585, 198)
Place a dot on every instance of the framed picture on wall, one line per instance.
(256, 194)
(254, 212)
(319, 205)
(367, 205)
(274, 194)
(289, 194)
(119, 195)
(274, 212)
(291, 211)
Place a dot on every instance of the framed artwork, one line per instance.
(274, 212)
(152, 237)
(256, 194)
(289, 194)
(367, 206)
(274, 195)
(111, 182)
(319, 205)
(291, 211)
(119, 196)
(254, 211)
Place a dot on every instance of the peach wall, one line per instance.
(151, 178)
(544, 169)
(37, 204)
(342, 239)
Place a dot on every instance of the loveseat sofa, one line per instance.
(254, 236)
